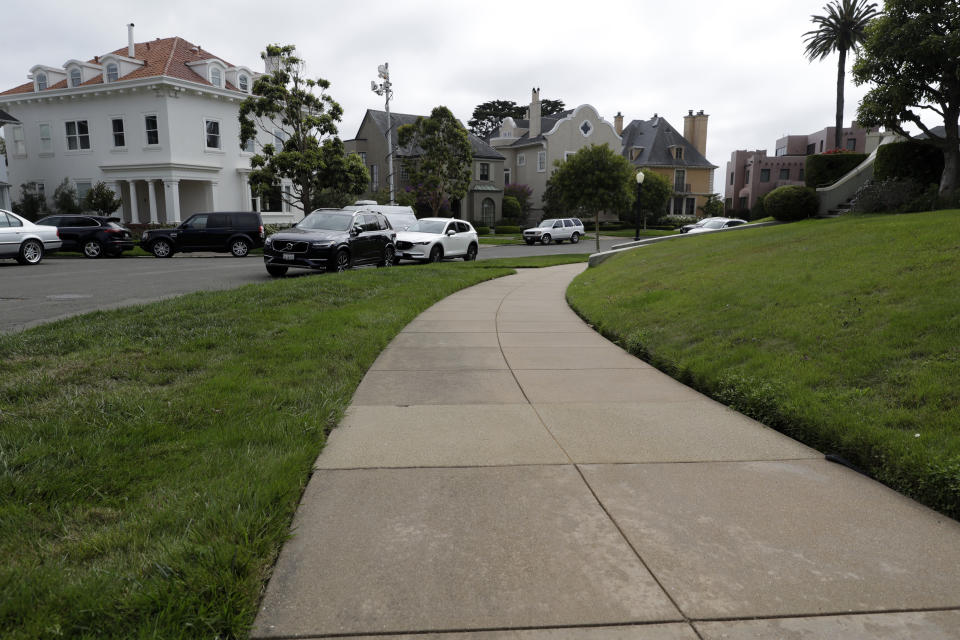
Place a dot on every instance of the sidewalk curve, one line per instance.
(504, 471)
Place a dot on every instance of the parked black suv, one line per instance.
(332, 240)
(94, 236)
(236, 232)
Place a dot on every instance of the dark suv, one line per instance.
(236, 232)
(94, 236)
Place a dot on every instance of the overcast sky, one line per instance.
(741, 62)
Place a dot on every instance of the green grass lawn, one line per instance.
(843, 333)
(151, 457)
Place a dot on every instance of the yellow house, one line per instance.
(655, 145)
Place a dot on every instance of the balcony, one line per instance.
(680, 187)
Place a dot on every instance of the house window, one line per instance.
(811, 149)
(19, 146)
(742, 202)
(363, 157)
(678, 153)
(680, 180)
(75, 78)
(851, 144)
(506, 176)
(216, 79)
(212, 131)
(83, 188)
(119, 139)
(746, 178)
(586, 128)
(785, 173)
(800, 177)
(567, 154)
(46, 139)
(250, 146)
(764, 175)
(821, 146)
(521, 160)
(541, 160)
(279, 136)
(244, 83)
(113, 72)
(374, 177)
(781, 151)
(677, 205)
(287, 198)
(690, 207)
(41, 81)
(404, 174)
(153, 130)
(488, 211)
(484, 171)
(731, 177)
(78, 135)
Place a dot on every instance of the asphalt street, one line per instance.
(63, 286)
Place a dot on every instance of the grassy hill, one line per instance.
(843, 333)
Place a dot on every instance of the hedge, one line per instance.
(791, 202)
(825, 169)
(914, 159)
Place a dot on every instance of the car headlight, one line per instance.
(423, 243)
(320, 244)
(268, 242)
(146, 234)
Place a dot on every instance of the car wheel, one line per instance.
(575, 238)
(341, 261)
(389, 256)
(161, 249)
(31, 252)
(92, 249)
(436, 254)
(545, 239)
(239, 248)
(471, 253)
(276, 270)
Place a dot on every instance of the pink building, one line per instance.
(751, 174)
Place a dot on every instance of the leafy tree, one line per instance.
(842, 29)
(551, 107)
(31, 204)
(713, 207)
(307, 152)
(511, 209)
(912, 57)
(488, 116)
(522, 193)
(654, 195)
(592, 180)
(65, 198)
(439, 167)
(3, 147)
(102, 199)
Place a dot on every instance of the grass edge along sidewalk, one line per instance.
(151, 457)
(840, 333)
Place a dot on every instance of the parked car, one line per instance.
(94, 236)
(699, 223)
(24, 240)
(237, 232)
(555, 230)
(718, 223)
(332, 240)
(433, 239)
(400, 217)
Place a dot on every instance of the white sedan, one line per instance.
(25, 241)
(716, 224)
(433, 239)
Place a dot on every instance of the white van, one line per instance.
(400, 217)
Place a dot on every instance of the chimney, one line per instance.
(535, 112)
(131, 50)
(618, 123)
(695, 130)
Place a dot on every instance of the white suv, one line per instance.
(433, 239)
(555, 230)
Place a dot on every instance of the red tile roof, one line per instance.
(162, 57)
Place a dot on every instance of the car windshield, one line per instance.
(713, 224)
(330, 221)
(546, 223)
(428, 226)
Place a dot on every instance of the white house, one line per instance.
(156, 121)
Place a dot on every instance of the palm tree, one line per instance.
(842, 29)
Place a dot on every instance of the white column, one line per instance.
(245, 195)
(171, 194)
(213, 195)
(134, 214)
(152, 194)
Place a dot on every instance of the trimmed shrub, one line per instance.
(825, 169)
(482, 231)
(511, 208)
(508, 228)
(791, 202)
(757, 211)
(913, 159)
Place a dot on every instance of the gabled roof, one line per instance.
(656, 137)
(547, 123)
(162, 57)
(7, 118)
(480, 148)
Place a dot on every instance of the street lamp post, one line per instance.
(636, 204)
(385, 89)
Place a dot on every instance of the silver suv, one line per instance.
(555, 230)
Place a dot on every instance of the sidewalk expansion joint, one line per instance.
(828, 614)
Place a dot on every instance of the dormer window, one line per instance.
(41, 81)
(244, 83)
(216, 78)
(678, 153)
(113, 72)
(75, 78)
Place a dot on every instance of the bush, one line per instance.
(757, 211)
(895, 195)
(913, 159)
(482, 231)
(822, 170)
(507, 228)
(65, 198)
(791, 202)
(102, 200)
(31, 205)
(511, 208)
(677, 221)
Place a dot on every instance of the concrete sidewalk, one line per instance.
(506, 472)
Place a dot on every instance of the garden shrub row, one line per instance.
(824, 169)
(913, 159)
